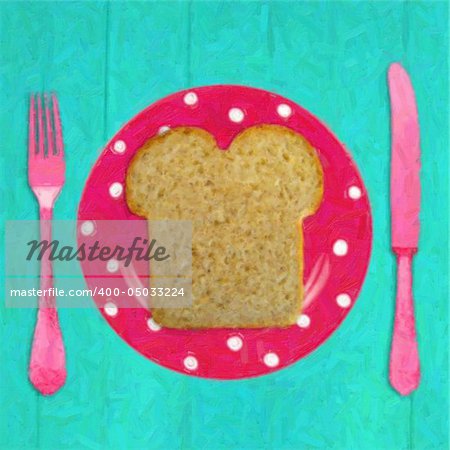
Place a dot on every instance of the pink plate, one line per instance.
(337, 239)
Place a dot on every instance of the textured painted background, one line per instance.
(109, 60)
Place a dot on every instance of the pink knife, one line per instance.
(404, 367)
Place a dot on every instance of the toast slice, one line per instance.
(246, 205)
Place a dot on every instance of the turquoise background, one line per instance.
(107, 61)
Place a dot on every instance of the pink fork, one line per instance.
(46, 169)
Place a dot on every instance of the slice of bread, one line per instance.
(246, 205)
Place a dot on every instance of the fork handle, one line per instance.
(404, 370)
(47, 369)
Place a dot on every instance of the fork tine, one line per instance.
(32, 129)
(58, 130)
(40, 127)
(46, 166)
(49, 127)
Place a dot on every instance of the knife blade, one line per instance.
(405, 162)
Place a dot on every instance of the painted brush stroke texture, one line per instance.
(109, 60)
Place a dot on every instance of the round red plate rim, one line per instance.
(262, 351)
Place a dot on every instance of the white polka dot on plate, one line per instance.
(236, 115)
(87, 228)
(271, 359)
(190, 99)
(119, 146)
(340, 247)
(111, 309)
(163, 129)
(284, 110)
(343, 300)
(303, 321)
(112, 265)
(152, 325)
(354, 192)
(115, 190)
(190, 362)
(234, 343)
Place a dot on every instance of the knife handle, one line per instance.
(404, 367)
